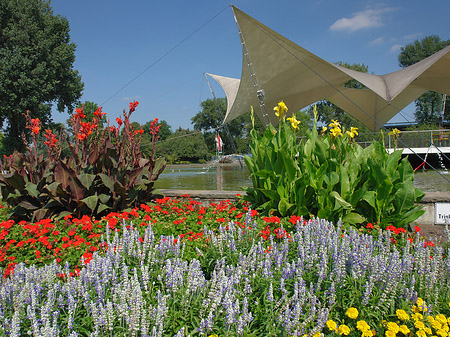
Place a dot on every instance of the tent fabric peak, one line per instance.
(286, 71)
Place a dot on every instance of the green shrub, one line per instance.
(329, 176)
(105, 170)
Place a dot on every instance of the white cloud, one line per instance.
(377, 41)
(369, 18)
(395, 48)
(413, 36)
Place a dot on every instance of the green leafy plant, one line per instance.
(330, 176)
(105, 170)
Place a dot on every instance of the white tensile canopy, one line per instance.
(288, 72)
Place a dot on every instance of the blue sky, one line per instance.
(118, 41)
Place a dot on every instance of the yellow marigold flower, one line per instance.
(352, 313)
(392, 326)
(441, 332)
(436, 325)
(280, 109)
(441, 319)
(402, 315)
(395, 132)
(213, 335)
(417, 316)
(368, 333)
(430, 319)
(428, 331)
(416, 309)
(445, 327)
(448, 320)
(419, 301)
(294, 122)
(334, 124)
(362, 326)
(389, 333)
(421, 333)
(419, 325)
(324, 129)
(343, 330)
(404, 329)
(331, 325)
(317, 334)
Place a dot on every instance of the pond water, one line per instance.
(232, 177)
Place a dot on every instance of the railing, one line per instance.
(410, 139)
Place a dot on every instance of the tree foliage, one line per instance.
(36, 66)
(429, 106)
(183, 145)
(209, 121)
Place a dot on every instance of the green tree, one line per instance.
(429, 106)
(327, 111)
(209, 121)
(183, 146)
(36, 66)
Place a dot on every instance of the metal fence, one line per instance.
(410, 139)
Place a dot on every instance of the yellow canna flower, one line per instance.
(392, 326)
(324, 129)
(352, 313)
(353, 132)
(402, 315)
(294, 122)
(336, 132)
(396, 132)
(343, 330)
(404, 329)
(334, 124)
(280, 109)
(331, 325)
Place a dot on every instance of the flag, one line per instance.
(219, 143)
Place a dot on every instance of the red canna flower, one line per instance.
(133, 106)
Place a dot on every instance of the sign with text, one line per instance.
(441, 213)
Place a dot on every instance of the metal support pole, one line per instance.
(260, 94)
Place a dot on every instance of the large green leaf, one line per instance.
(107, 181)
(284, 206)
(86, 180)
(353, 218)
(32, 189)
(340, 201)
(91, 202)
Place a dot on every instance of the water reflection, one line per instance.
(232, 178)
(226, 178)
